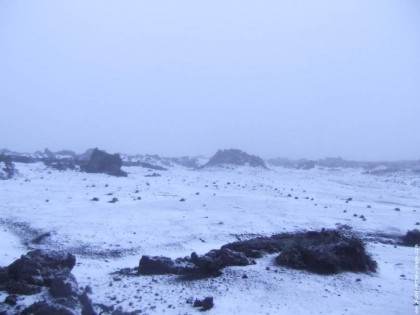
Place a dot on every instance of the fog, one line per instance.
(274, 78)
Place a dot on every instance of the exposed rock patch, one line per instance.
(38, 269)
(204, 304)
(159, 265)
(325, 252)
(207, 265)
(411, 238)
(236, 158)
(47, 273)
(102, 162)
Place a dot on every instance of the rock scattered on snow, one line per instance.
(204, 304)
(411, 238)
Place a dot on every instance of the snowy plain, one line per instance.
(221, 205)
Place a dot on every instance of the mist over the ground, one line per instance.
(274, 78)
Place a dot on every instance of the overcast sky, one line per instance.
(275, 78)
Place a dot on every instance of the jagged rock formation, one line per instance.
(102, 162)
(39, 270)
(235, 157)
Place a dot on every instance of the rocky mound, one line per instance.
(45, 277)
(324, 252)
(236, 158)
(327, 252)
(7, 168)
(411, 238)
(48, 272)
(102, 162)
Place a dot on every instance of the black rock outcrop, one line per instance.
(235, 157)
(159, 265)
(217, 259)
(38, 269)
(102, 162)
(204, 304)
(49, 274)
(324, 252)
(411, 238)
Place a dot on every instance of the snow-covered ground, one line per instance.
(221, 205)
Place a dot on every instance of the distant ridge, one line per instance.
(234, 157)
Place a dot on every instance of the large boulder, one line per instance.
(37, 269)
(327, 252)
(47, 273)
(235, 157)
(102, 162)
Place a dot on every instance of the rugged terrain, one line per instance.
(108, 223)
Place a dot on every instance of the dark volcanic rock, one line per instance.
(11, 300)
(87, 306)
(235, 157)
(102, 162)
(7, 168)
(45, 308)
(256, 247)
(38, 270)
(159, 265)
(207, 265)
(40, 267)
(22, 287)
(217, 259)
(205, 304)
(327, 252)
(411, 238)
(61, 287)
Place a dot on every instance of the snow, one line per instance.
(230, 203)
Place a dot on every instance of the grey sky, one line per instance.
(275, 78)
